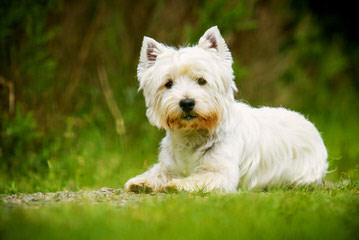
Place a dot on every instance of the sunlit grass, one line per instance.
(94, 158)
(323, 213)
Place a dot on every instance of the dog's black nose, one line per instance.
(187, 105)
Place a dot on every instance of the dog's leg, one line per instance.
(155, 178)
(206, 182)
(151, 180)
(213, 175)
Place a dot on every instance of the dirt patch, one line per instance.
(104, 195)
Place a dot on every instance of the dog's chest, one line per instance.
(187, 159)
(187, 151)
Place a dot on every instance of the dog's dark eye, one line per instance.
(169, 84)
(201, 81)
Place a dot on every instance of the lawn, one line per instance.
(328, 212)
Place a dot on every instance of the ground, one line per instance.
(327, 212)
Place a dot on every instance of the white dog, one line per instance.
(213, 142)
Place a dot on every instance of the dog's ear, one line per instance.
(149, 53)
(212, 39)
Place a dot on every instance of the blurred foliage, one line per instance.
(25, 58)
(21, 145)
(62, 134)
(229, 16)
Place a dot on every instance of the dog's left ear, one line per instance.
(212, 39)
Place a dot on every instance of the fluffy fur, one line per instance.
(223, 144)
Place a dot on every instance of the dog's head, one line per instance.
(187, 88)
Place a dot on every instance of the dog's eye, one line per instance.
(201, 81)
(169, 84)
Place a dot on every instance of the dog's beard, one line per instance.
(192, 121)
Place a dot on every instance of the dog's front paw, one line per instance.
(172, 187)
(201, 183)
(181, 185)
(138, 185)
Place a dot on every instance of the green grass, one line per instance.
(98, 159)
(325, 213)
(92, 157)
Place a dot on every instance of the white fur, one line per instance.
(230, 144)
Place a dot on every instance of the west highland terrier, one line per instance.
(213, 142)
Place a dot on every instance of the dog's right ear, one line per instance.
(149, 53)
